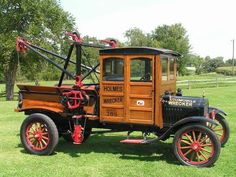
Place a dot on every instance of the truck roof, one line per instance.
(139, 50)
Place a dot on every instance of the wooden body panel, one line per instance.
(48, 98)
(42, 105)
(112, 96)
(126, 101)
(135, 102)
(169, 86)
(140, 95)
(41, 97)
(157, 102)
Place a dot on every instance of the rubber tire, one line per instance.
(52, 130)
(69, 138)
(211, 134)
(221, 120)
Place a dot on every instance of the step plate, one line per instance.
(133, 141)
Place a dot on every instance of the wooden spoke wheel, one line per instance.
(222, 129)
(39, 134)
(196, 145)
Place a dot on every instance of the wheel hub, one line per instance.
(38, 135)
(196, 146)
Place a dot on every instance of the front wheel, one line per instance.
(222, 129)
(196, 145)
(39, 134)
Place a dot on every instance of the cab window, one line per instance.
(113, 69)
(164, 66)
(141, 70)
(172, 64)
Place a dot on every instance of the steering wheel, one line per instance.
(146, 77)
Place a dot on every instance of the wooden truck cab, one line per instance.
(132, 81)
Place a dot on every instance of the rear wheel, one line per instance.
(196, 145)
(39, 134)
(222, 129)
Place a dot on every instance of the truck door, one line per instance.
(140, 90)
(112, 89)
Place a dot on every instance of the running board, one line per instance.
(134, 141)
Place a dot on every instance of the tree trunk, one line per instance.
(10, 76)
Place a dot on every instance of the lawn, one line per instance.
(204, 76)
(103, 155)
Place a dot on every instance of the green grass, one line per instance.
(203, 76)
(103, 155)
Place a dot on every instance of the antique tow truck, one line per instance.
(136, 91)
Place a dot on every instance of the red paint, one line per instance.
(74, 96)
(77, 134)
(37, 136)
(195, 147)
(112, 43)
(78, 82)
(20, 45)
(75, 37)
(213, 114)
(132, 141)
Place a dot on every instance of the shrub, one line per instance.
(226, 70)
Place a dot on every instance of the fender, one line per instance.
(216, 111)
(177, 125)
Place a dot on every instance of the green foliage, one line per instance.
(227, 70)
(195, 61)
(43, 22)
(90, 55)
(229, 62)
(1, 76)
(174, 37)
(210, 65)
(136, 37)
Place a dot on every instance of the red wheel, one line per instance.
(39, 134)
(196, 145)
(221, 130)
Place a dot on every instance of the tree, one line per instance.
(136, 37)
(173, 37)
(43, 22)
(229, 62)
(210, 65)
(196, 61)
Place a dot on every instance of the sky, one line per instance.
(210, 24)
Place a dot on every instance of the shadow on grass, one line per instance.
(110, 144)
(159, 151)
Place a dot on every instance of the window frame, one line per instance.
(115, 79)
(142, 58)
(169, 58)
